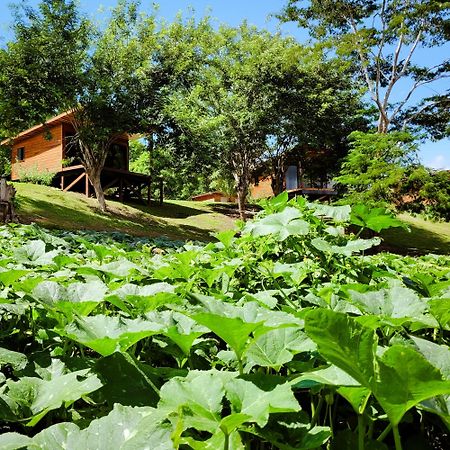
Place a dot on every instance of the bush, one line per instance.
(375, 167)
(36, 176)
(427, 192)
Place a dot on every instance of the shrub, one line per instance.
(36, 176)
(375, 167)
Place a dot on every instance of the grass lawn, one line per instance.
(53, 208)
(425, 236)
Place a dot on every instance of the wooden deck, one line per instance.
(314, 193)
(120, 184)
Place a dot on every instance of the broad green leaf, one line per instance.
(438, 355)
(14, 441)
(348, 249)
(33, 253)
(397, 303)
(277, 347)
(400, 378)
(108, 334)
(356, 396)
(440, 308)
(375, 219)
(282, 225)
(196, 400)
(234, 331)
(124, 428)
(344, 342)
(55, 388)
(248, 399)
(332, 376)
(8, 277)
(338, 213)
(16, 360)
(405, 379)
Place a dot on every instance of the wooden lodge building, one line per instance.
(50, 147)
(306, 174)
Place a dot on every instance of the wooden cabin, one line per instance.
(51, 147)
(215, 196)
(305, 174)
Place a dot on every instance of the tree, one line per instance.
(111, 101)
(376, 166)
(41, 70)
(316, 106)
(383, 37)
(232, 96)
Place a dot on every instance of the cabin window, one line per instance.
(291, 178)
(21, 154)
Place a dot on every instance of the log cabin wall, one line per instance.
(40, 152)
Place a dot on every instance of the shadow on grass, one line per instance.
(52, 215)
(418, 241)
(169, 210)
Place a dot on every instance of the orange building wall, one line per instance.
(40, 153)
(263, 189)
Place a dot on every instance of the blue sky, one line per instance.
(257, 12)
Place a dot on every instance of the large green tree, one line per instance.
(316, 106)
(383, 37)
(251, 96)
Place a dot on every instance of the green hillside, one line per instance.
(178, 219)
(53, 208)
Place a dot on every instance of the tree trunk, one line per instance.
(242, 192)
(94, 178)
(277, 178)
(383, 124)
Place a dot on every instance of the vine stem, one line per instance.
(398, 442)
(385, 432)
(226, 444)
(361, 432)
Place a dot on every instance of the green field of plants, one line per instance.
(290, 333)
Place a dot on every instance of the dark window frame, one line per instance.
(20, 154)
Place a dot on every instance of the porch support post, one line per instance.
(121, 189)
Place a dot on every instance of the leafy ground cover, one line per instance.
(282, 335)
(53, 208)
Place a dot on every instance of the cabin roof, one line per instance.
(60, 118)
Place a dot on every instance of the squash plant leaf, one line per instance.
(375, 219)
(344, 342)
(282, 225)
(16, 360)
(277, 347)
(124, 428)
(108, 334)
(196, 400)
(246, 398)
(55, 387)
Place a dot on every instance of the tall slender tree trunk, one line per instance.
(94, 177)
(277, 176)
(383, 124)
(93, 162)
(242, 185)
